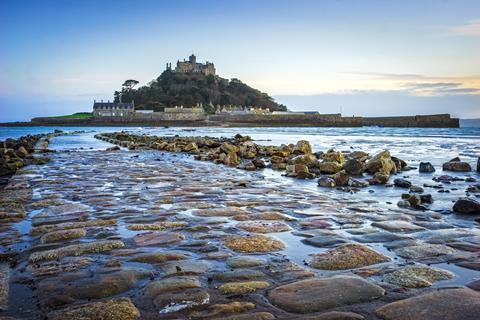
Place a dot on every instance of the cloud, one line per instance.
(439, 88)
(385, 75)
(470, 28)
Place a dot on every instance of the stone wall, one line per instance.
(310, 120)
(421, 121)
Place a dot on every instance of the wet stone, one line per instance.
(185, 267)
(244, 262)
(157, 287)
(452, 304)
(158, 257)
(348, 256)
(62, 235)
(314, 295)
(158, 238)
(173, 302)
(4, 285)
(398, 226)
(422, 251)
(223, 309)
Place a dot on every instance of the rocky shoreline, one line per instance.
(149, 233)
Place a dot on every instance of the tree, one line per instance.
(129, 84)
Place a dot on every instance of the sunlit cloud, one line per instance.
(470, 28)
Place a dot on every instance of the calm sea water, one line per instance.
(414, 144)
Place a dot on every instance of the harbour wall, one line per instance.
(257, 120)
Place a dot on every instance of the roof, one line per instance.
(107, 105)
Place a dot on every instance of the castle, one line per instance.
(192, 65)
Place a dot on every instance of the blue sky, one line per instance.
(363, 57)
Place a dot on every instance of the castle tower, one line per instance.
(192, 59)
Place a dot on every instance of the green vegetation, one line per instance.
(175, 89)
(78, 115)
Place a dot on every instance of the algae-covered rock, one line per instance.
(242, 287)
(417, 276)
(62, 235)
(382, 162)
(256, 243)
(264, 226)
(76, 250)
(115, 309)
(157, 226)
(302, 147)
(348, 256)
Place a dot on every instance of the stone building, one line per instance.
(113, 109)
(192, 65)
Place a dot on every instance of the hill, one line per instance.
(175, 89)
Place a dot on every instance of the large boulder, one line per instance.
(314, 295)
(306, 159)
(232, 159)
(329, 167)
(334, 156)
(451, 304)
(457, 166)
(467, 205)
(302, 147)
(341, 178)
(382, 162)
(426, 167)
(354, 167)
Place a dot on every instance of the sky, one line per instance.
(364, 58)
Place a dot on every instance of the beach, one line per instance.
(145, 231)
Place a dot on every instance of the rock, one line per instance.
(475, 285)
(257, 243)
(244, 262)
(397, 226)
(305, 159)
(228, 148)
(422, 251)
(452, 304)
(242, 287)
(185, 267)
(191, 147)
(64, 288)
(333, 315)
(173, 302)
(62, 235)
(314, 295)
(76, 250)
(478, 164)
(219, 212)
(4, 285)
(115, 148)
(172, 284)
(232, 159)
(354, 167)
(414, 200)
(402, 183)
(426, 198)
(382, 162)
(157, 238)
(326, 182)
(247, 165)
(264, 226)
(223, 309)
(249, 316)
(416, 189)
(341, 178)
(71, 225)
(380, 178)
(157, 226)
(399, 163)
(22, 152)
(302, 147)
(121, 309)
(348, 256)
(158, 257)
(467, 206)
(457, 166)
(417, 276)
(333, 156)
(329, 167)
(426, 167)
